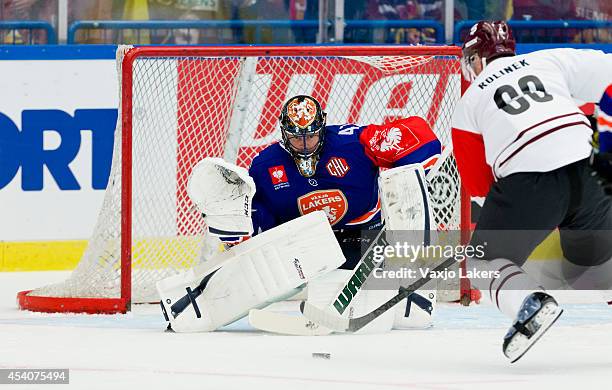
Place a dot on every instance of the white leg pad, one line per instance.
(416, 311)
(405, 199)
(365, 302)
(323, 291)
(264, 269)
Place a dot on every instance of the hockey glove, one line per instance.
(223, 193)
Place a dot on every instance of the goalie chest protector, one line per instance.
(344, 185)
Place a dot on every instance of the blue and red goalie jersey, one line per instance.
(605, 121)
(345, 185)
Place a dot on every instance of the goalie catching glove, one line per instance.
(223, 193)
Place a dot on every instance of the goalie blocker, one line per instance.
(264, 269)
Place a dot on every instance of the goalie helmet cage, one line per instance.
(181, 104)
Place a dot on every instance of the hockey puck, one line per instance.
(321, 355)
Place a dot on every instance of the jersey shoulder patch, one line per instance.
(388, 143)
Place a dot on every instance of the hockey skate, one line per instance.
(538, 312)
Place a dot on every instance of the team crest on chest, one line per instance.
(337, 167)
(278, 175)
(332, 202)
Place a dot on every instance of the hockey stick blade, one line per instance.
(325, 318)
(340, 324)
(294, 325)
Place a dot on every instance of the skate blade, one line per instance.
(521, 344)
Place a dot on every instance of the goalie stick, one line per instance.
(341, 324)
(301, 326)
(281, 323)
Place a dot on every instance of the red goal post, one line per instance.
(181, 104)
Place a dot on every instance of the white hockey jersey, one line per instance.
(519, 114)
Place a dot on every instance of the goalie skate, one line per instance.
(538, 312)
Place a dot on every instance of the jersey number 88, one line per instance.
(506, 95)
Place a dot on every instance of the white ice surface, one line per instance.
(462, 351)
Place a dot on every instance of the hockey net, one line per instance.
(181, 104)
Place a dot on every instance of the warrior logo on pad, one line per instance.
(332, 202)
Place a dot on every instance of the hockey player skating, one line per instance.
(314, 168)
(520, 140)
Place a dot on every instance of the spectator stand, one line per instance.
(185, 32)
(182, 32)
(549, 31)
(34, 32)
(394, 31)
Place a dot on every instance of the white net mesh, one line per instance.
(187, 108)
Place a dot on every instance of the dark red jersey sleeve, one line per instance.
(476, 174)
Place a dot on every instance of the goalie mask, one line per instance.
(302, 124)
(485, 42)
